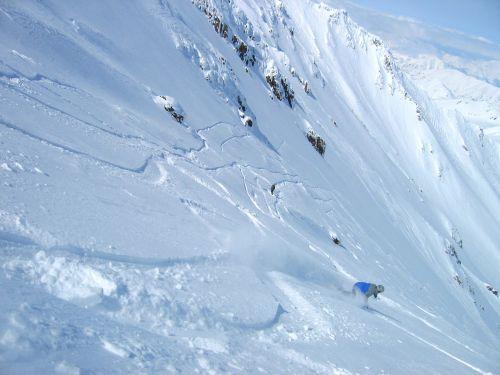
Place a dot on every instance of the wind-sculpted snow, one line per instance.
(194, 186)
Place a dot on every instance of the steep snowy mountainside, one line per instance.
(195, 186)
(475, 56)
(478, 102)
(460, 73)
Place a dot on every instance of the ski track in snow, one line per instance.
(437, 348)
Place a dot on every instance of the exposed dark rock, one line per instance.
(307, 88)
(170, 104)
(271, 81)
(246, 118)
(289, 94)
(450, 250)
(178, 117)
(242, 50)
(455, 235)
(223, 30)
(241, 105)
(492, 290)
(387, 63)
(317, 142)
(419, 114)
(280, 88)
(220, 27)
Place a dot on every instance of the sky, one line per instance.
(473, 17)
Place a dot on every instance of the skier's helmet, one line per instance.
(380, 288)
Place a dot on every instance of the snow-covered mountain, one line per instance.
(194, 186)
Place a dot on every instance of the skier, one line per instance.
(367, 290)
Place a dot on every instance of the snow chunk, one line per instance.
(68, 280)
(5, 167)
(114, 349)
(210, 344)
(66, 368)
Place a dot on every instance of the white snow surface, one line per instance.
(132, 243)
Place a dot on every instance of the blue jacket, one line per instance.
(368, 289)
(362, 286)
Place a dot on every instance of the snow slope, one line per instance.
(139, 145)
(460, 73)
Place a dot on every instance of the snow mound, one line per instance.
(69, 280)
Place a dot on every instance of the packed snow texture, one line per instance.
(163, 208)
